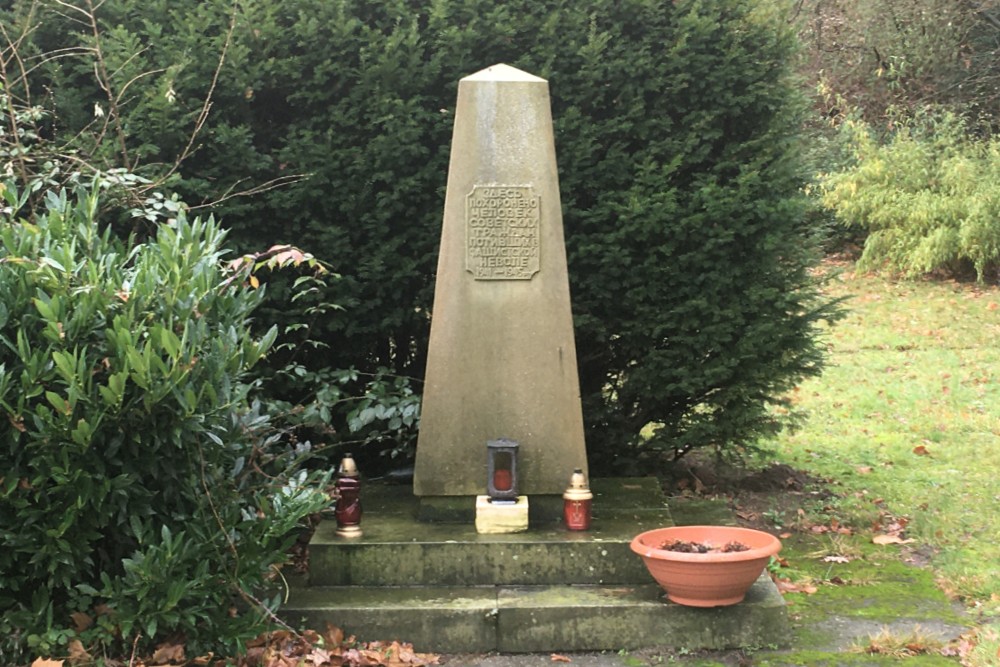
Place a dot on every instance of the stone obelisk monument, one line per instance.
(501, 361)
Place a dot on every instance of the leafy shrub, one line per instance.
(131, 486)
(928, 196)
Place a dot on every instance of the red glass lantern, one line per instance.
(347, 511)
(501, 471)
(577, 502)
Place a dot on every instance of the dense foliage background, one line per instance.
(676, 126)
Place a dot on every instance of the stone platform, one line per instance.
(446, 588)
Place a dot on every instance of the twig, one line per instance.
(135, 646)
(272, 184)
(103, 79)
(207, 105)
(215, 513)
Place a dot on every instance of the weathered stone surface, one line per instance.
(433, 619)
(447, 588)
(543, 618)
(593, 618)
(398, 550)
(498, 519)
(502, 359)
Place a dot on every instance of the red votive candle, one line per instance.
(502, 480)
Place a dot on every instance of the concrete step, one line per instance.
(514, 619)
(448, 589)
(398, 550)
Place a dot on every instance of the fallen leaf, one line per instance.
(560, 658)
(836, 559)
(77, 653)
(863, 470)
(166, 654)
(318, 656)
(333, 636)
(891, 539)
(921, 450)
(81, 621)
(45, 662)
(786, 586)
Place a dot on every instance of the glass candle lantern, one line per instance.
(501, 471)
(576, 502)
(347, 510)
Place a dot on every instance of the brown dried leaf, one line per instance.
(786, 586)
(318, 657)
(77, 653)
(371, 657)
(81, 621)
(891, 539)
(921, 450)
(166, 654)
(333, 636)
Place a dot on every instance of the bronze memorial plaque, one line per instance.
(502, 232)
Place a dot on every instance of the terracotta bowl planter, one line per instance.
(712, 579)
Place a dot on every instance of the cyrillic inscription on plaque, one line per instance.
(502, 232)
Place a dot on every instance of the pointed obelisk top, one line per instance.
(501, 72)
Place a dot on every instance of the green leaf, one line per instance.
(48, 261)
(170, 342)
(45, 310)
(66, 365)
(57, 401)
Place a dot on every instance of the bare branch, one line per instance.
(128, 60)
(71, 6)
(207, 105)
(104, 80)
(273, 184)
(14, 46)
(135, 78)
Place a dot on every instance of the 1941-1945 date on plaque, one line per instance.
(502, 232)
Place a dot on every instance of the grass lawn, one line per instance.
(906, 420)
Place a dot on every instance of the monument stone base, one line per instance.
(498, 518)
(543, 509)
(448, 589)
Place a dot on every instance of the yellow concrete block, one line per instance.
(494, 518)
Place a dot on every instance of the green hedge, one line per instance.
(676, 137)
